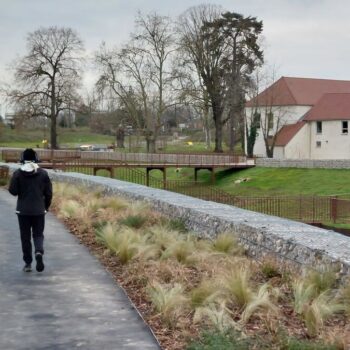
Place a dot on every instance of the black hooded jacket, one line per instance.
(34, 191)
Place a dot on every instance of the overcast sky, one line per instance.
(303, 38)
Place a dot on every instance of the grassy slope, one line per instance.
(286, 181)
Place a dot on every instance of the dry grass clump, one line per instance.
(227, 243)
(217, 316)
(344, 297)
(313, 303)
(187, 284)
(169, 301)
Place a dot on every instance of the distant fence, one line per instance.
(149, 159)
(310, 209)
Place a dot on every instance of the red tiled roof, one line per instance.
(287, 132)
(330, 107)
(298, 91)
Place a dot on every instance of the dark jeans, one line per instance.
(27, 226)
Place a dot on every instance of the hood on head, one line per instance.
(29, 167)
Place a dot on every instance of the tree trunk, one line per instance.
(232, 132)
(120, 135)
(207, 127)
(151, 145)
(269, 152)
(53, 130)
(217, 116)
(218, 136)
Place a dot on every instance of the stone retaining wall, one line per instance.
(303, 163)
(260, 234)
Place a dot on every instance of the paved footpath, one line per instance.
(73, 304)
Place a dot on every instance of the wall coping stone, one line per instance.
(260, 234)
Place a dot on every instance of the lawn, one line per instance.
(68, 137)
(284, 181)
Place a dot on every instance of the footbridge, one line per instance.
(74, 160)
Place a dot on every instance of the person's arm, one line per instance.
(47, 192)
(14, 184)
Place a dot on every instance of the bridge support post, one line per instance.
(196, 174)
(147, 176)
(212, 172)
(212, 175)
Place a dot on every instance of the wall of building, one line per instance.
(299, 146)
(294, 242)
(334, 144)
(285, 114)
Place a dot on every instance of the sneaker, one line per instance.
(27, 268)
(39, 262)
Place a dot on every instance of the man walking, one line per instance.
(33, 187)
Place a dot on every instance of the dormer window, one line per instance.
(344, 127)
(319, 127)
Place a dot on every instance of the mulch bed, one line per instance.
(129, 278)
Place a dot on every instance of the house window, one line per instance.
(344, 127)
(270, 120)
(319, 127)
(318, 144)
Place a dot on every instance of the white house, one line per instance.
(305, 118)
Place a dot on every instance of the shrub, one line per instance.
(303, 295)
(313, 307)
(162, 236)
(3, 182)
(69, 209)
(321, 308)
(114, 203)
(259, 301)
(177, 225)
(237, 287)
(344, 297)
(217, 316)
(270, 268)
(227, 243)
(181, 250)
(123, 242)
(204, 294)
(220, 341)
(322, 280)
(134, 221)
(169, 301)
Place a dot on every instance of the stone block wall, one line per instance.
(294, 242)
(303, 163)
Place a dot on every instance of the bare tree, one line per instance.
(202, 49)
(265, 117)
(274, 116)
(191, 91)
(139, 73)
(48, 76)
(223, 48)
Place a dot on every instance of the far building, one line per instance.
(305, 118)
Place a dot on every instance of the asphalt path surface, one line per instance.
(73, 304)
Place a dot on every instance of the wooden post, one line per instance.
(212, 175)
(147, 176)
(164, 178)
(334, 204)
